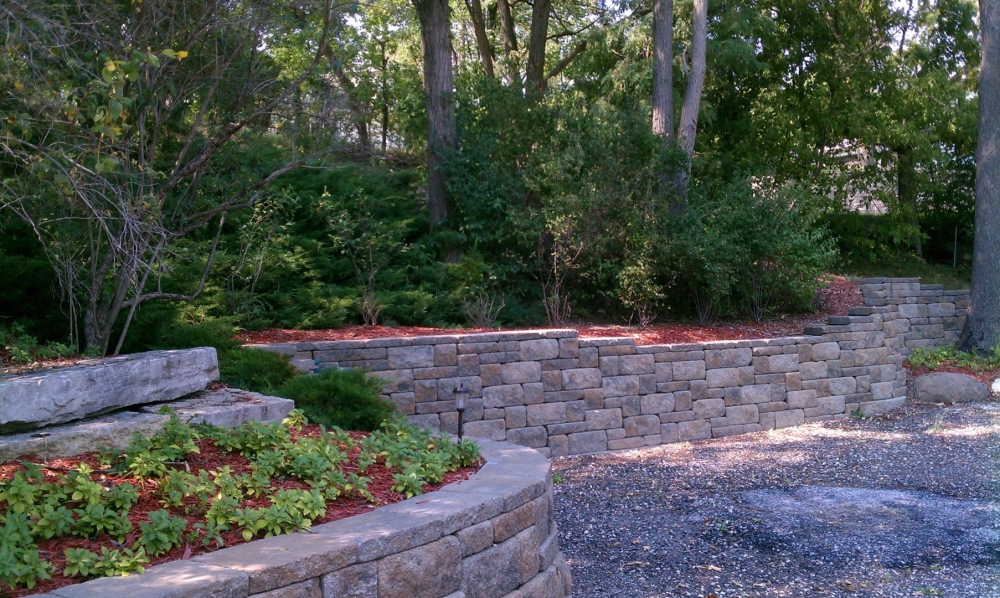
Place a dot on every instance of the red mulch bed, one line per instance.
(835, 299)
(9, 367)
(986, 377)
(210, 458)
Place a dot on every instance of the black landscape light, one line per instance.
(461, 394)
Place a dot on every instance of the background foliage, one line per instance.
(560, 212)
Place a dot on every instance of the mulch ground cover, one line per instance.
(985, 376)
(835, 299)
(210, 458)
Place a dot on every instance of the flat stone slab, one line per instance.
(948, 387)
(222, 407)
(228, 407)
(93, 387)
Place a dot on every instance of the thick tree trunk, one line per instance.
(509, 38)
(482, 40)
(982, 327)
(535, 75)
(663, 70)
(435, 33)
(688, 128)
(906, 174)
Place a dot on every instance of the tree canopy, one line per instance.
(310, 162)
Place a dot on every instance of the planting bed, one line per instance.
(362, 471)
(835, 299)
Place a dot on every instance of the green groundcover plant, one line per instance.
(295, 472)
(936, 357)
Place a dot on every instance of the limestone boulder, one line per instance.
(60, 395)
(948, 387)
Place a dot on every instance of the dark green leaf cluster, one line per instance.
(934, 358)
(81, 503)
(423, 457)
(347, 399)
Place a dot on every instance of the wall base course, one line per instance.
(609, 384)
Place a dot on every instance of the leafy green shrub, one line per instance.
(751, 245)
(344, 398)
(255, 370)
(162, 532)
(206, 333)
(416, 308)
(934, 358)
(24, 348)
(20, 562)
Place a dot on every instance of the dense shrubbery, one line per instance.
(579, 231)
(255, 370)
(346, 399)
(753, 245)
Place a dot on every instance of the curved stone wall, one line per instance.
(491, 536)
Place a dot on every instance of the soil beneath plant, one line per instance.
(985, 376)
(898, 505)
(834, 299)
(211, 458)
(8, 367)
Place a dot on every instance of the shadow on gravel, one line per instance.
(844, 527)
(891, 507)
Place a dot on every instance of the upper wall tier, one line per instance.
(562, 395)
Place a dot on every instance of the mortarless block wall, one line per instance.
(562, 395)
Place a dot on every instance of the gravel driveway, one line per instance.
(899, 505)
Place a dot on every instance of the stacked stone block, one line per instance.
(562, 395)
(935, 316)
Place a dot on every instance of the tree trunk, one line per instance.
(982, 326)
(906, 174)
(358, 108)
(385, 98)
(663, 70)
(482, 40)
(688, 128)
(535, 75)
(435, 33)
(696, 79)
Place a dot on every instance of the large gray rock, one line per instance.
(222, 407)
(98, 386)
(112, 431)
(947, 387)
(228, 407)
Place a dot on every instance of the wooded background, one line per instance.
(186, 165)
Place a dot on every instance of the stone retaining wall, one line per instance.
(551, 390)
(491, 536)
(936, 316)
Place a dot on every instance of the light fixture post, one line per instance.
(461, 394)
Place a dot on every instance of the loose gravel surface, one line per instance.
(899, 505)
